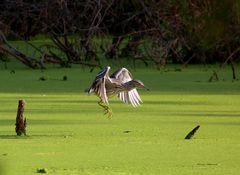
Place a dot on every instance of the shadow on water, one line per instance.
(34, 136)
(8, 122)
(14, 137)
(56, 102)
(175, 102)
(202, 114)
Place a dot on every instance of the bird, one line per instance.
(120, 83)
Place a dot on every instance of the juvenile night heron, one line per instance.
(119, 83)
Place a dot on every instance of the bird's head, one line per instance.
(138, 84)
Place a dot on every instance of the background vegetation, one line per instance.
(159, 32)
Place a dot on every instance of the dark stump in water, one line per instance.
(20, 120)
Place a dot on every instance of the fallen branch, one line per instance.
(11, 50)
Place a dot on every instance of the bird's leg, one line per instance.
(103, 105)
(106, 108)
(108, 111)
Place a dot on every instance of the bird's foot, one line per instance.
(108, 111)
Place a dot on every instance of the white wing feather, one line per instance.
(98, 85)
(127, 97)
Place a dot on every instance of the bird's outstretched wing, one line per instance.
(98, 85)
(122, 75)
(132, 96)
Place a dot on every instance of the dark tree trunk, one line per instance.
(214, 77)
(20, 120)
(114, 48)
(233, 70)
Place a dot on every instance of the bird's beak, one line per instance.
(147, 88)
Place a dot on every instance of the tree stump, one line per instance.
(21, 122)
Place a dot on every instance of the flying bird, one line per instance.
(120, 83)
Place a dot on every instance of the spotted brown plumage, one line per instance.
(120, 83)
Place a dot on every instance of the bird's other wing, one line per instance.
(132, 96)
(122, 74)
(98, 85)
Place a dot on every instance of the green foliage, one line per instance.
(68, 133)
(210, 29)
